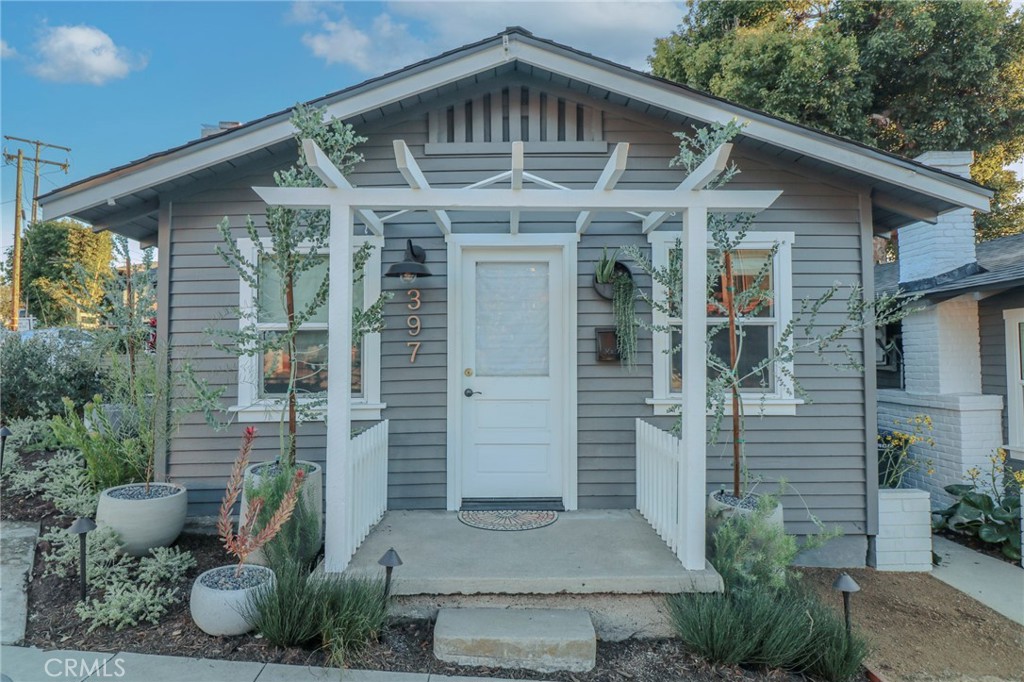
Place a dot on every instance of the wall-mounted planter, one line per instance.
(606, 290)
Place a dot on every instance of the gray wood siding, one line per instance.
(821, 451)
(993, 345)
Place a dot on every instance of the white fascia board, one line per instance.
(776, 133)
(239, 143)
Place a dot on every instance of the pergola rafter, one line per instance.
(347, 202)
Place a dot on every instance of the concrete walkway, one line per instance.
(17, 555)
(22, 664)
(996, 584)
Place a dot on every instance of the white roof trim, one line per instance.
(791, 137)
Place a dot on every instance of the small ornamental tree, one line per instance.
(728, 375)
(290, 249)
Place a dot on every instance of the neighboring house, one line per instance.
(510, 310)
(958, 360)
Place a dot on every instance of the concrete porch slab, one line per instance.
(611, 551)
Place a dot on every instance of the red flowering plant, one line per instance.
(248, 540)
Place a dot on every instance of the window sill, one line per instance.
(769, 407)
(270, 411)
(1015, 452)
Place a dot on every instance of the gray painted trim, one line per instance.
(870, 379)
(163, 317)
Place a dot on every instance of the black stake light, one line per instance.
(412, 265)
(4, 433)
(82, 527)
(847, 585)
(389, 561)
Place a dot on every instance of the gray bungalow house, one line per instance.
(512, 162)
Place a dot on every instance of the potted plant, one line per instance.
(613, 280)
(118, 432)
(731, 302)
(220, 596)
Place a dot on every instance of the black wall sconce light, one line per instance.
(412, 265)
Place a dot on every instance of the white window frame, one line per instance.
(251, 408)
(1014, 398)
(782, 400)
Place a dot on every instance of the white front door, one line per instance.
(511, 323)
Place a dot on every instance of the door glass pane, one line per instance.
(512, 325)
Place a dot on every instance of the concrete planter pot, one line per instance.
(143, 522)
(312, 495)
(218, 606)
(904, 540)
(719, 511)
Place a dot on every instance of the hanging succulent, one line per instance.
(624, 306)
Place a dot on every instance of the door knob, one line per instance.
(469, 393)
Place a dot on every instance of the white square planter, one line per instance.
(904, 541)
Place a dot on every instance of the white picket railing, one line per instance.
(657, 480)
(369, 457)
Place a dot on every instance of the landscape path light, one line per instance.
(82, 527)
(4, 433)
(389, 561)
(847, 585)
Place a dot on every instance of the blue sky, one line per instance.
(116, 81)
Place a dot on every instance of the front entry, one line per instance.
(511, 322)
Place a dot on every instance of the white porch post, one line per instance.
(693, 462)
(339, 535)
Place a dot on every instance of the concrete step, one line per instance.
(545, 640)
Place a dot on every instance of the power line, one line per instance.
(36, 160)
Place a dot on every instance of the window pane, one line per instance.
(754, 296)
(311, 365)
(753, 346)
(512, 326)
(675, 369)
(271, 296)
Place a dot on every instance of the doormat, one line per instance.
(508, 519)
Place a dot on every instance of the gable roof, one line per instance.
(127, 196)
(1001, 263)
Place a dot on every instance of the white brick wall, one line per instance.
(929, 250)
(941, 352)
(904, 540)
(967, 429)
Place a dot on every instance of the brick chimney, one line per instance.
(928, 251)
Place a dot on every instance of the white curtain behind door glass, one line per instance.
(512, 320)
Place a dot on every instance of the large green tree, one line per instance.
(55, 290)
(904, 75)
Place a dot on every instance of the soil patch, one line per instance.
(923, 629)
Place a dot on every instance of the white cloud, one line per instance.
(82, 54)
(623, 32)
(6, 50)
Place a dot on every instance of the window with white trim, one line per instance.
(262, 381)
(1014, 320)
(769, 392)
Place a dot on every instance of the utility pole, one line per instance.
(36, 160)
(19, 211)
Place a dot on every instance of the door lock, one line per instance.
(469, 393)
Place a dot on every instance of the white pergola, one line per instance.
(653, 207)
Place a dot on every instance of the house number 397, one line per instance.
(413, 323)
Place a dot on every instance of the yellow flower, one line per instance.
(1019, 477)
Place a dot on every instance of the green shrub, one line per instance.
(112, 448)
(789, 629)
(300, 535)
(749, 552)
(28, 434)
(42, 370)
(354, 614)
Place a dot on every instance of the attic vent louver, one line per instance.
(512, 114)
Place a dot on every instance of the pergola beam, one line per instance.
(709, 169)
(496, 199)
(613, 170)
(331, 176)
(413, 175)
